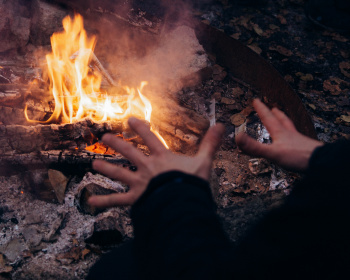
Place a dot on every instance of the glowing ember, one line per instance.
(76, 88)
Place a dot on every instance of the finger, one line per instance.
(104, 201)
(252, 147)
(152, 142)
(282, 117)
(125, 148)
(269, 120)
(113, 171)
(211, 141)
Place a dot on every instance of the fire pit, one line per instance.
(48, 144)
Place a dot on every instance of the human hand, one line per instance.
(161, 160)
(289, 149)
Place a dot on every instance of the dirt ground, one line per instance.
(314, 61)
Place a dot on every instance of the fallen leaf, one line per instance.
(237, 92)
(312, 106)
(304, 77)
(255, 48)
(289, 78)
(345, 53)
(84, 253)
(338, 37)
(3, 267)
(236, 35)
(273, 27)
(281, 50)
(345, 118)
(247, 111)
(307, 77)
(73, 254)
(332, 85)
(237, 119)
(245, 21)
(217, 96)
(345, 68)
(227, 101)
(282, 19)
(258, 30)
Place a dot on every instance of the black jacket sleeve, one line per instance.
(177, 232)
(309, 236)
(178, 235)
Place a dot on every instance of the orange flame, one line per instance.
(77, 89)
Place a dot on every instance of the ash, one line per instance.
(43, 240)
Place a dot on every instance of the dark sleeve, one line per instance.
(308, 236)
(177, 232)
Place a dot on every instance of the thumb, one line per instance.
(252, 147)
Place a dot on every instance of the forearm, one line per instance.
(177, 232)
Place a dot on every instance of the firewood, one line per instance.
(42, 137)
(71, 162)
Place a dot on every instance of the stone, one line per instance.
(32, 236)
(15, 23)
(13, 249)
(47, 19)
(106, 230)
(95, 185)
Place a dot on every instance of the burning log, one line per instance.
(188, 128)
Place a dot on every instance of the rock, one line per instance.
(95, 185)
(14, 24)
(32, 236)
(59, 183)
(47, 19)
(34, 218)
(38, 183)
(88, 191)
(106, 230)
(13, 249)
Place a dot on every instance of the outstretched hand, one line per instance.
(161, 160)
(289, 149)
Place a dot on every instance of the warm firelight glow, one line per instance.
(76, 88)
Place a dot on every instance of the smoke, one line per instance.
(144, 40)
(163, 58)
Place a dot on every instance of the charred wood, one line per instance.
(188, 128)
(70, 163)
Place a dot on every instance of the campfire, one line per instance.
(56, 105)
(76, 86)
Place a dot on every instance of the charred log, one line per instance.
(186, 127)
